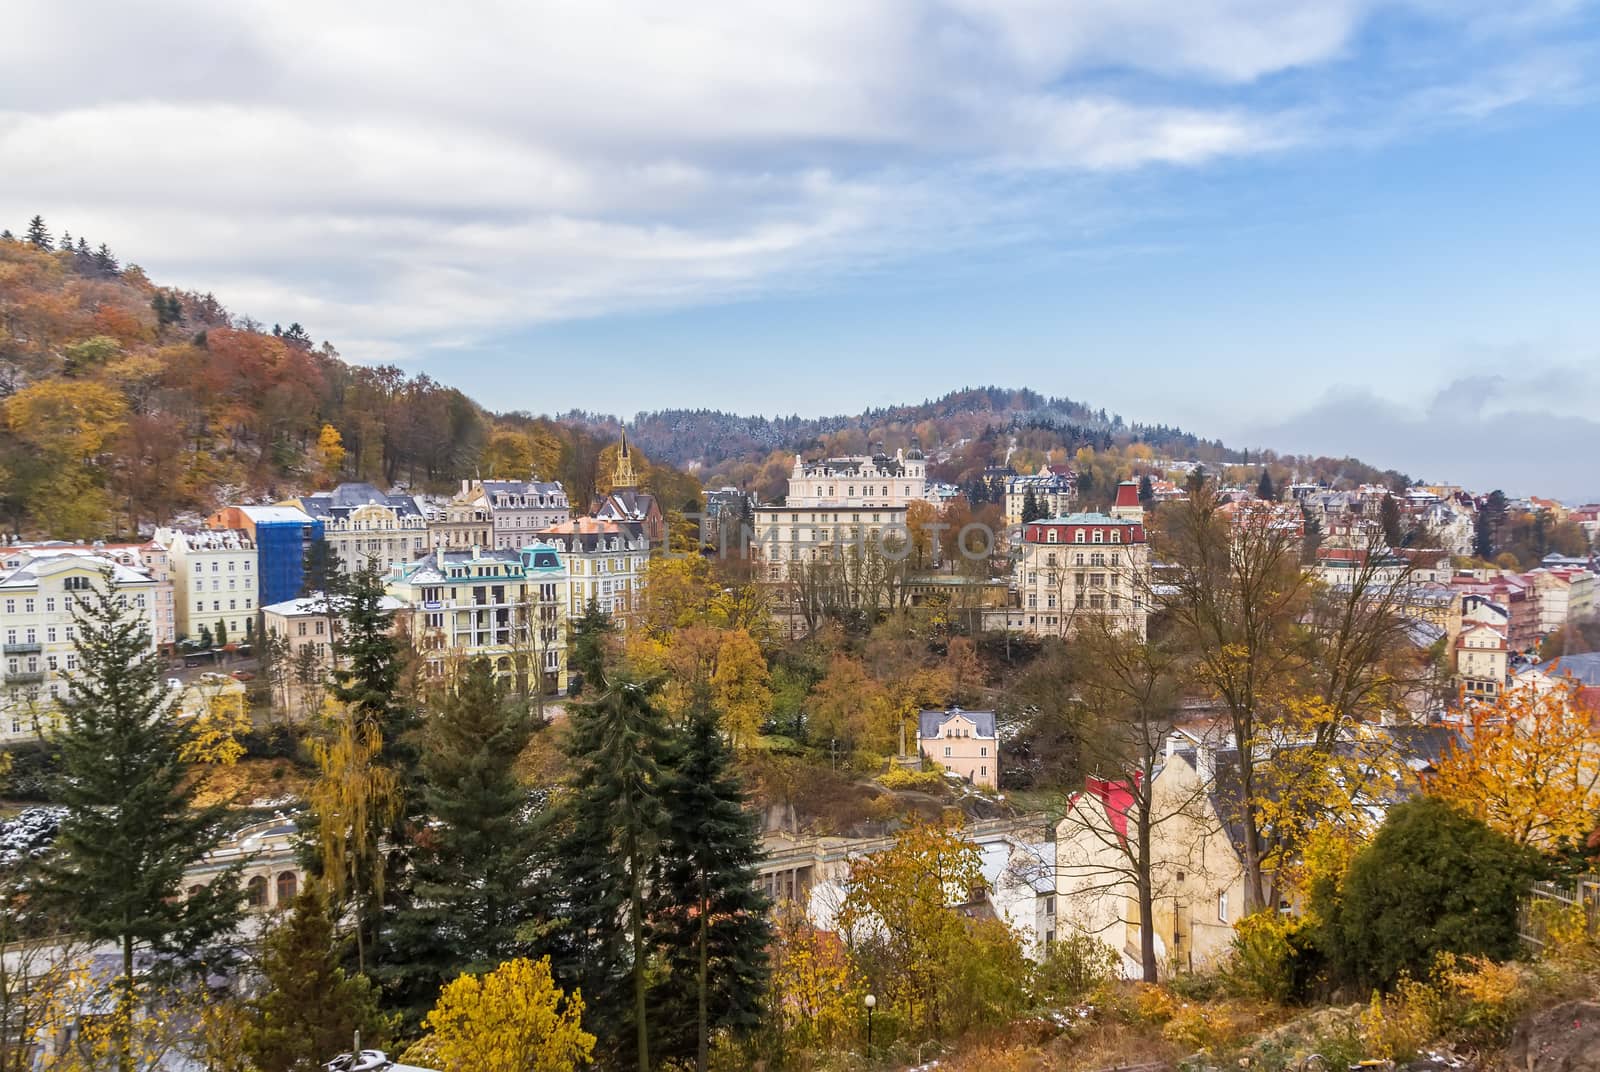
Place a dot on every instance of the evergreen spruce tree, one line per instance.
(321, 571)
(710, 919)
(367, 682)
(1030, 507)
(612, 826)
(222, 633)
(7, 236)
(39, 235)
(105, 261)
(310, 1009)
(1147, 492)
(1264, 490)
(587, 650)
(475, 879)
(131, 829)
(1389, 519)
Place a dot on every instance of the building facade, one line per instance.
(1053, 490)
(303, 632)
(1482, 662)
(962, 742)
(462, 522)
(282, 535)
(215, 583)
(506, 606)
(606, 564)
(37, 631)
(1079, 566)
(520, 509)
(363, 526)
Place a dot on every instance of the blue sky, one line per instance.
(1339, 226)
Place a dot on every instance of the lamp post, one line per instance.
(871, 1002)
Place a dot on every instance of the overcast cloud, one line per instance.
(409, 176)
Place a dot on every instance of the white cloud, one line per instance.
(415, 175)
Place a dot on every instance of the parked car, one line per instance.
(244, 675)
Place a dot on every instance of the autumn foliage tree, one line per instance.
(513, 1019)
(1529, 768)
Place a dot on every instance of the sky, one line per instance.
(1331, 226)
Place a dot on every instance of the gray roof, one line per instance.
(1584, 667)
(929, 722)
(347, 497)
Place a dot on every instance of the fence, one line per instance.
(1583, 893)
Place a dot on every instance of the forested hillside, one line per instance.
(126, 403)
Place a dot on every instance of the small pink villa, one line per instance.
(963, 742)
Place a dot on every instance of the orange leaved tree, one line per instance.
(1529, 767)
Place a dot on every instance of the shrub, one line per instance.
(1075, 967)
(1479, 999)
(1274, 958)
(1396, 1027)
(898, 777)
(1153, 1004)
(1433, 880)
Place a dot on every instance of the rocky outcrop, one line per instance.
(1564, 1038)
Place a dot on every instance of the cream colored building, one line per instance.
(861, 481)
(606, 562)
(365, 527)
(962, 742)
(1081, 565)
(1482, 660)
(1564, 595)
(148, 557)
(462, 522)
(507, 606)
(215, 583)
(37, 630)
(1054, 491)
(305, 628)
(1197, 875)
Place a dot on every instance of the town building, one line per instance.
(520, 509)
(1080, 565)
(507, 606)
(1511, 593)
(301, 631)
(147, 557)
(962, 742)
(461, 522)
(1019, 878)
(1052, 489)
(1482, 662)
(606, 564)
(1562, 594)
(214, 577)
(727, 515)
(282, 536)
(37, 631)
(363, 526)
(839, 506)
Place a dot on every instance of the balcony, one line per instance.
(31, 647)
(25, 677)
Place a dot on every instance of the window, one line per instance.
(1077, 536)
(1222, 906)
(1049, 906)
(947, 751)
(1099, 536)
(983, 751)
(1116, 535)
(1050, 535)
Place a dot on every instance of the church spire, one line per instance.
(623, 476)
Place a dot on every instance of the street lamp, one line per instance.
(871, 1003)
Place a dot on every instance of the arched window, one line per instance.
(256, 892)
(288, 886)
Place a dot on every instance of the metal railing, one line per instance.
(1582, 893)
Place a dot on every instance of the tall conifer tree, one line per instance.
(132, 829)
(711, 922)
(613, 822)
(475, 880)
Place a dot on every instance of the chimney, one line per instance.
(1205, 763)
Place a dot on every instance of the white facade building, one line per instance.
(215, 582)
(37, 631)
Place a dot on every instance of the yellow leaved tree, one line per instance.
(1529, 767)
(513, 1019)
(330, 454)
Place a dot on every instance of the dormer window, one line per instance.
(1077, 536)
(1099, 535)
(1050, 535)
(1116, 535)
